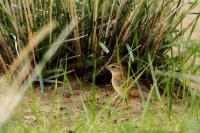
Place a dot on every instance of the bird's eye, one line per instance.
(112, 66)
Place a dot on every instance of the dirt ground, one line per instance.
(189, 18)
(59, 104)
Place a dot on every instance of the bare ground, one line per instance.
(58, 105)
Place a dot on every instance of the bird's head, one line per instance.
(115, 68)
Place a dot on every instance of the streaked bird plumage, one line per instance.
(123, 84)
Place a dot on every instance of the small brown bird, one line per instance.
(123, 84)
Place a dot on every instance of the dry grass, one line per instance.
(141, 33)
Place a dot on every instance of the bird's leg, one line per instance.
(118, 100)
(126, 100)
(141, 106)
(114, 98)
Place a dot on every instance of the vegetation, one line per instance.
(44, 42)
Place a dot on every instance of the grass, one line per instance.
(44, 42)
(47, 116)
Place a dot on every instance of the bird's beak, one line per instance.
(108, 67)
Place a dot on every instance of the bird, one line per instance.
(122, 83)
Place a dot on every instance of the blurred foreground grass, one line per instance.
(57, 113)
(45, 41)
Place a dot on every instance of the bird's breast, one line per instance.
(117, 85)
